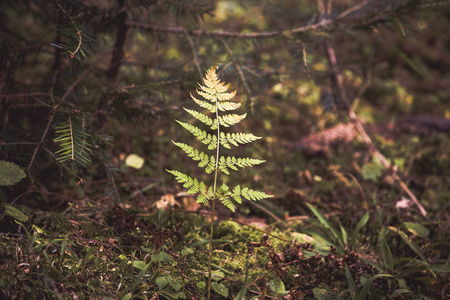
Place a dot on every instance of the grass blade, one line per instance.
(324, 221)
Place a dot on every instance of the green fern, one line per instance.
(216, 99)
(73, 143)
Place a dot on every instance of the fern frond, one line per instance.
(72, 139)
(205, 161)
(233, 163)
(248, 194)
(216, 99)
(193, 185)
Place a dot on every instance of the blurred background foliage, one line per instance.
(119, 72)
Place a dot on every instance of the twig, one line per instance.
(80, 38)
(337, 77)
(194, 54)
(239, 69)
(238, 66)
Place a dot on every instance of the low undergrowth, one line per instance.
(125, 253)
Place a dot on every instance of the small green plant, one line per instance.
(216, 99)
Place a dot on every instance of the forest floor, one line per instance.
(333, 232)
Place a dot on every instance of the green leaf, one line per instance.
(161, 257)
(217, 275)
(440, 268)
(372, 171)
(408, 242)
(162, 282)
(324, 221)
(220, 289)
(366, 285)
(241, 294)
(362, 223)
(127, 297)
(277, 286)
(15, 213)
(139, 264)
(351, 283)
(10, 173)
(359, 226)
(417, 229)
(320, 294)
(134, 161)
(301, 237)
(400, 292)
(386, 254)
(187, 251)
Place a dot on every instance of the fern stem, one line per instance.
(213, 203)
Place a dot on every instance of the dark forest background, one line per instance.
(351, 98)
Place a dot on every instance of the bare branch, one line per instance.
(360, 128)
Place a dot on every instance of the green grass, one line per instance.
(125, 254)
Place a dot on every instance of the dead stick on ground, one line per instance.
(337, 78)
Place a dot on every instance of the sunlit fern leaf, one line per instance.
(248, 194)
(203, 136)
(233, 163)
(201, 117)
(205, 161)
(228, 203)
(73, 142)
(193, 185)
(229, 120)
(236, 138)
(210, 97)
(226, 105)
(204, 104)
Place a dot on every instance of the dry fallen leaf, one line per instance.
(165, 201)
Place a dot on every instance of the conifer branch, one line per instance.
(80, 38)
(325, 24)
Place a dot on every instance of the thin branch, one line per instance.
(194, 54)
(80, 38)
(238, 66)
(360, 128)
(322, 24)
(71, 87)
